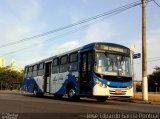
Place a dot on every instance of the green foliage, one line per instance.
(154, 80)
(139, 87)
(9, 77)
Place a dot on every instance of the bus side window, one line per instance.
(64, 63)
(30, 71)
(26, 72)
(41, 69)
(73, 60)
(55, 66)
(35, 68)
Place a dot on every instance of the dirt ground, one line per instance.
(155, 97)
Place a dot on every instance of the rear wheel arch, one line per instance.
(69, 86)
(35, 90)
(71, 91)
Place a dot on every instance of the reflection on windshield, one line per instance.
(112, 64)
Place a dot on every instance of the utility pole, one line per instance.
(132, 50)
(144, 53)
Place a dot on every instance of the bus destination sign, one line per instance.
(113, 48)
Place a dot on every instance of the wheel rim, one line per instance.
(72, 93)
(35, 91)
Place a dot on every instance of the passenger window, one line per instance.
(30, 71)
(35, 68)
(55, 62)
(64, 65)
(55, 66)
(64, 59)
(73, 57)
(73, 62)
(26, 72)
(41, 69)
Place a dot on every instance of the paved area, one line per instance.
(26, 105)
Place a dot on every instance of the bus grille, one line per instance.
(113, 92)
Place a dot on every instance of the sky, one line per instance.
(20, 19)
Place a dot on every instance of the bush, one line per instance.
(10, 78)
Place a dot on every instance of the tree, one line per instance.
(154, 80)
(10, 77)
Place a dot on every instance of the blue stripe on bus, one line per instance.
(111, 83)
(71, 79)
(28, 85)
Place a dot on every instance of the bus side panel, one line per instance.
(60, 81)
(40, 83)
(29, 83)
(60, 84)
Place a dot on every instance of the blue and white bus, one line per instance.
(94, 70)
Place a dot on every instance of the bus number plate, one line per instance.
(118, 91)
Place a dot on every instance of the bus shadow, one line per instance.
(81, 100)
(85, 100)
(64, 98)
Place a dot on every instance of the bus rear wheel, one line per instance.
(35, 92)
(72, 94)
(101, 98)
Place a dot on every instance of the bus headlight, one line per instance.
(108, 83)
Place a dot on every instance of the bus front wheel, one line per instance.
(101, 98)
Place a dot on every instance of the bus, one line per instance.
(96, 70)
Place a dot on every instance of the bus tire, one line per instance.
(35, 92)
(101, 98)
(72, 94)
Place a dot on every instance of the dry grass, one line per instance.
(153, 97)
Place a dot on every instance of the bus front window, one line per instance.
(112, 64)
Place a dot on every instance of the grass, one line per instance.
(153, 97)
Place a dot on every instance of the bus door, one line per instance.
(47, 77)
(86, 72)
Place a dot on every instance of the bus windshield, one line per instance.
(112, 64)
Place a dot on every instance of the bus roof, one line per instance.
(80, 49)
